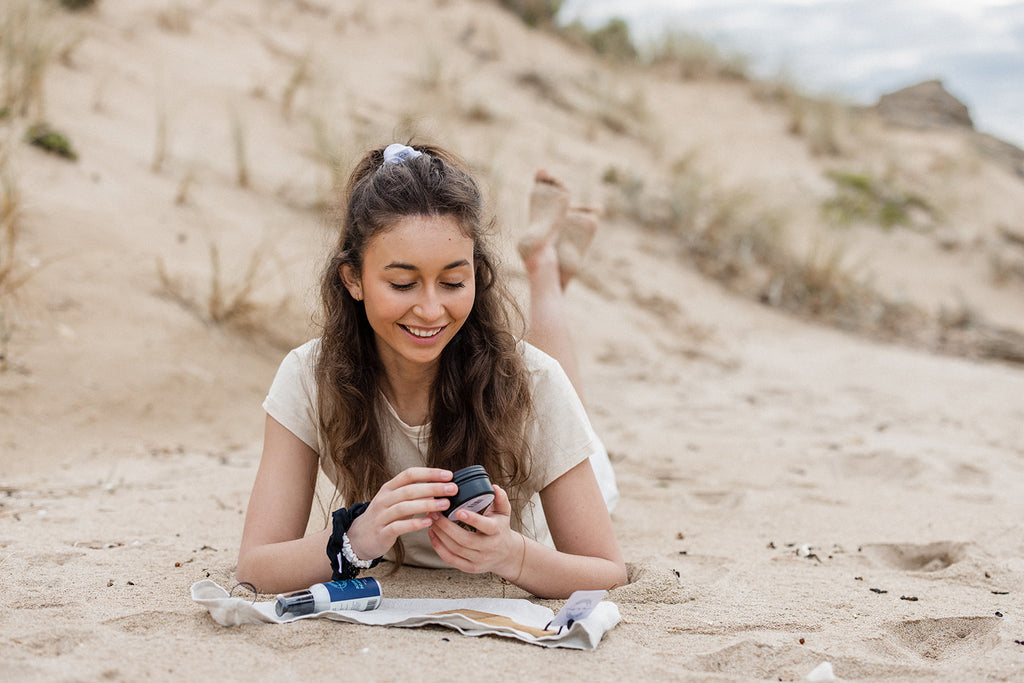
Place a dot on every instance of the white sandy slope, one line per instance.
(773, 471)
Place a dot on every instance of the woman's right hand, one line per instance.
(401, 506)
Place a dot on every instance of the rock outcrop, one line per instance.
(925, 105)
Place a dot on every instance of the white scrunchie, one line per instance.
(396, 153)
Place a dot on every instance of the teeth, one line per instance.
(423, 333)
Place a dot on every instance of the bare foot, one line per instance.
(574, 235)
(549, 200)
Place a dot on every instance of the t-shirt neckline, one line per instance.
(415, 431)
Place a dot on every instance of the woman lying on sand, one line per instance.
(416, 375)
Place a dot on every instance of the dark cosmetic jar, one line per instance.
(475, 491)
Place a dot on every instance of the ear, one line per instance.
(352, 283)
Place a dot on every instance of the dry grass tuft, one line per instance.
(301, 76)
(175, 18)
(77, 5)
(621, 109)
(963, 332)
(231, 302)
(746, 251)
(240, 148)
(862, 198)
(440, 99)
(337, 143)
(818, 120)
(611, 41)
(691, 57)
(1006, 257)
(188, 179)
(14, 273)
(28, 47)
(161, 132)
(535, 13)
(545, 88)
(224, 303)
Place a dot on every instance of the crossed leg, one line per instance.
(552, 250)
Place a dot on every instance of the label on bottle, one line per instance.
(361, 595)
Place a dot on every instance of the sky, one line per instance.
(857, 49)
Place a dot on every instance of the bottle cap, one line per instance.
(299, 602)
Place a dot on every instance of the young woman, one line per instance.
(416, 375)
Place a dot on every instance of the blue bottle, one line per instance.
(361, 595)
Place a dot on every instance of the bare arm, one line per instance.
(275, 555)
(586, 554)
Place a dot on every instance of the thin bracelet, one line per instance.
(523, 563)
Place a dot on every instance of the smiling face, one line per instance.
(417, 285)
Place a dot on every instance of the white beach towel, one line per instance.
(519, 619)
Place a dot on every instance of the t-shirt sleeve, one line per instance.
(292, 396)
(561, 435)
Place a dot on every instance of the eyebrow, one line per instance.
(408, 266)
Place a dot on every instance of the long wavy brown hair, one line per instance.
(480, 398)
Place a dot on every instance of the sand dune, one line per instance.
(792, 493)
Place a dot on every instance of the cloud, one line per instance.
(856, 49)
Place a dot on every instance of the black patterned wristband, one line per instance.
(341, 520)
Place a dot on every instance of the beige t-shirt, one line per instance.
(560, 436)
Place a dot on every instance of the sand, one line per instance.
(792, 494)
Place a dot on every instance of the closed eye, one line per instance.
(453, 285)
(401, 287)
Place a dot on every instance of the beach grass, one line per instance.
(536, 13)
(240, 148)
(27, 50)
(861, 197)
(77, 5)
(301, 76)
(226, 300)
(234, 297)
(14, 273)
(728, 239)
(10, 207)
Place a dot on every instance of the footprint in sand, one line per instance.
(752, 660)
(882, 465)
(932, 557)
(699, 570)
(650, 584)
(56, 558)
(149, 620)
(947, 638)
(54, 642)
(715, 500)
(749, 660)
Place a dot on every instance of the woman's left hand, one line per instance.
(494, 547)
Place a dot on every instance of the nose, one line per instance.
(429, 307)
